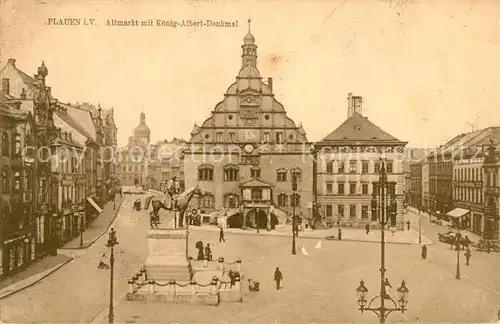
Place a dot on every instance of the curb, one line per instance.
(48, 273)
(98, 236)
(318, 238)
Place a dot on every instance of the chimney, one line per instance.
(270, 84)
(23, 94)
(12, 62)
(354, 105)
(5, 85)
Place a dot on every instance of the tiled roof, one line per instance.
(65, 126)
(359, 129)
(81, 120)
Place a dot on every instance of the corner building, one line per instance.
(349, 167)
(243, 154)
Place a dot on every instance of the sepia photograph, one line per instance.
(277, 161)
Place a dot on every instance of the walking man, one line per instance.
(208, 252)
(278, 277)
(367, 228)
(424, 252)
(467, 256)
(221, 235)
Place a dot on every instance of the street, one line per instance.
(317, 288)
(79, 291)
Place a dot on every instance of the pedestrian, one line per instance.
(424, 252)
(408, 225)
(221, 235)
(199, 246)
(340, 234)
(488, 246)
(208, 252)
(367, 228)
(467, 256)
(103, 264)
(278, 277)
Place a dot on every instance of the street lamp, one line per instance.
(112, 241)
(457, 246)
(294, 193)
(382, 207)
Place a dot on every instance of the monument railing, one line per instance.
(140, 280)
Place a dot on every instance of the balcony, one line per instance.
(492, 191)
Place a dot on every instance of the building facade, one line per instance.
(425, 185)
(243, 155)
(348, 166)
(491, 170)
(415, 193)
(166, 162)
(133, 159)
(17, 179)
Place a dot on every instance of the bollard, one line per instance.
(237, 283)
(131, 289)
(205, 262)
(193, 287)
(152, 286)
(220, 265)
(171, 287)
(213, 286)
(238, 263)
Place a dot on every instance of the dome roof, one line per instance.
(248, 39)
(142, 129)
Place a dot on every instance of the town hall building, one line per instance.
(245, 154)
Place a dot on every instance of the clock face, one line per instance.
(248, 148)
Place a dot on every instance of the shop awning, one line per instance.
(94, 204)
(458, 212)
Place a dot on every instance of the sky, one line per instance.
(427, 70)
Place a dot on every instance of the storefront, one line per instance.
(477, 223)
(18, 251)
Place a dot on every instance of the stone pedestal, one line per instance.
(167, 259)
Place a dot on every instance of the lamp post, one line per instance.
(294, 192)
(457, 246)
(112, 241)
(381, 207)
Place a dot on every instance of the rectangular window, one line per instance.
(219, 137)
(267, 137)
(364, 167)
(329, 188)
(231, 136)
(364, 212)
(329, 167)
(329, 210)
(376, 167)
(364, 188)
(255, 173)
(389, 165)
(352, 166)
(341, 189)
(340, 209)
(231, 175)
(279, 137)
(282, 200)
(256, 194)
(352, 211)
(352, 188)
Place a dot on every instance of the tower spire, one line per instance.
(249, 55)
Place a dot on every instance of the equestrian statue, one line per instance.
(173, 201)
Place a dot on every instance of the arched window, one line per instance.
(5, 180)
(296, 200)
(231, 172)
(5, 144)
(17, 181)
(207, 201)
(283, 200)
(281, 175)
(206, 172)
(255, 172)
(297, 174)
(231, 200)
(16, 145)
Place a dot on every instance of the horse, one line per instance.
(181, 203)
